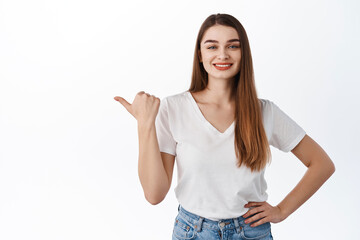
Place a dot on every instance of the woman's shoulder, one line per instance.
(265, 102)
(266, 107)
(176, 97)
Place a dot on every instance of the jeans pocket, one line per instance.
(261, 232)
(183, 230)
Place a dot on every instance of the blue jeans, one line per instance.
(190, 226)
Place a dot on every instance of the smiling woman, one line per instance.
(216, 43)
(220, 133)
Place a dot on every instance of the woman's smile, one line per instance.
(222, 66)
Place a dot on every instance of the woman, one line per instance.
(220, 132)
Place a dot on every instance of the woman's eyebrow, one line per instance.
(214, 41)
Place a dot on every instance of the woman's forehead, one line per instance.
(220, 33)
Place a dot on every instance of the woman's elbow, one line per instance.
(330, 167)
(154, 200)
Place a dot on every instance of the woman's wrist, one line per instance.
(145, 124)
(284, 214)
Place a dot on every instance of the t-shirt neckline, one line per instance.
(205, 121)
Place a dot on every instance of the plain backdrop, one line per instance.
(69, 151)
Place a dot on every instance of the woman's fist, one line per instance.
(144, 107)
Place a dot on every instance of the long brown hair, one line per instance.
(251, 145)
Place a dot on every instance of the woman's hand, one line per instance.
(263, 211)
(144, 107)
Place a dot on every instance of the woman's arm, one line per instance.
(155, 177)
(320, 168)
(152, 173)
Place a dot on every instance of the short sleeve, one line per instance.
(286, 133)
(165, 138)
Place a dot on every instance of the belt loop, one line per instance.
(236, 222)
(179, 208)
(201, 219)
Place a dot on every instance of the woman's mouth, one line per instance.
(222, 66)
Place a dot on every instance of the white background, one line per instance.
(69, 151)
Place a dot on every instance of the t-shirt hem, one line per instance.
(168, 151)
(295, 142)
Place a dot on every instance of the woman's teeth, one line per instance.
(223, 65)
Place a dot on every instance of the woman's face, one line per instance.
(220, 52)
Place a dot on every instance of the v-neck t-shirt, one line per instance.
(209, 183)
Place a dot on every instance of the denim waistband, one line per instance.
(199, 222)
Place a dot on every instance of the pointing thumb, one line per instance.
(123, 102)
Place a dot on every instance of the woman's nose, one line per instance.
(223, 54)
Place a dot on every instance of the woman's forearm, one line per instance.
(151, 169)
(315, 176)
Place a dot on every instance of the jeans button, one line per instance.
(222, 224)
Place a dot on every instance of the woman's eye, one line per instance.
(232, 46)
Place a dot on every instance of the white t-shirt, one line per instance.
(209, 183)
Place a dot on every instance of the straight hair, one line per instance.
(251, 145)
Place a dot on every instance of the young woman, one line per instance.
(220, 133)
